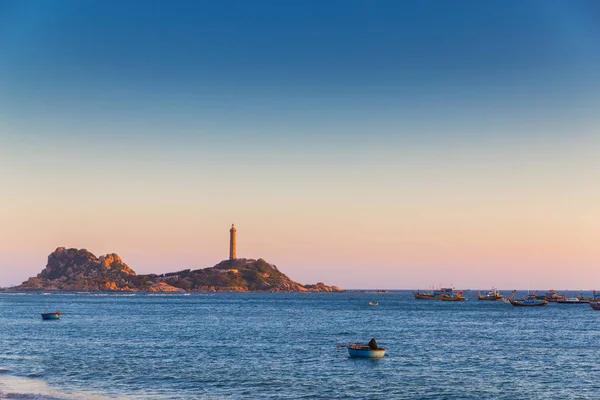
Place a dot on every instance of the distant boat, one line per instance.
(454, 297)
(595, 305)
(373, 303)
(529, 301)
(363, 350)
(551, 296)
(51, 315)
(571, 300)
(491, 295)
(442, 294)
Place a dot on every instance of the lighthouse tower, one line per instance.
(232, 243)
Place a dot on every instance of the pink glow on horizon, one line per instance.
(473, 216)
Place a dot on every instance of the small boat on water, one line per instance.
(551, 296)
(458, 297)
(373, 303)
(571, 300)
(443, 294)
(370, 350)
(491, 295)
(529, 301)
(51, 315)
(358, 350)
(594, 305)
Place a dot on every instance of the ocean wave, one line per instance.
(18, 388)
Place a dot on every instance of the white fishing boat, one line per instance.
(571, 300)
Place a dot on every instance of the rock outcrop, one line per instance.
(80, 270)
(240, 275)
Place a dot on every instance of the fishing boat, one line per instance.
(595, 297)
(456, 297)
(373, 303)
(571, 300)
(443, 294)
(51, 315)
(491, 295)
(551, 296)
(529, 301)
(594, 305)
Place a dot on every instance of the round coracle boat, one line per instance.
(362, 350)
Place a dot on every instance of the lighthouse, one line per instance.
(232, 243)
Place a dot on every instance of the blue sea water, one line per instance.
(283, 346)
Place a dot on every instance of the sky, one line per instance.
(366, 144)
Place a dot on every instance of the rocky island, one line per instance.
(80, 270)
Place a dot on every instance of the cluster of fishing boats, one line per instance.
(531, 300)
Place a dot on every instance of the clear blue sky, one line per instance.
(392, 120)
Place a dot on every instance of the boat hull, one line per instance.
(48, 316)
(595, 305)
(529, 303)
(443, 297)
(587, 299)
(454, 298)
(421, 296)
(485, 298)
(365, 352)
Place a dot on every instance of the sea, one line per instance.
(291, 346)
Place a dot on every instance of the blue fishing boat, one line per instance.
(594, 299)
(51, 315)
